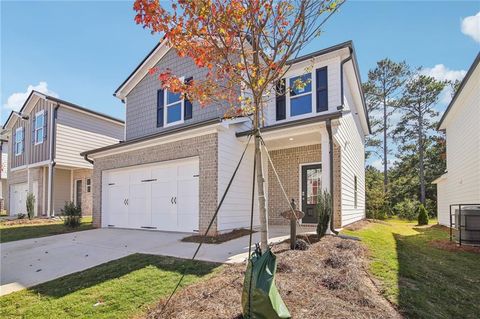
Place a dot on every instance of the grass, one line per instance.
(421, 280)
(123, 288)
(26, 231)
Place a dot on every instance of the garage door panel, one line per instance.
(18, 199)
(162, 196)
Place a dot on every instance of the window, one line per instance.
(322, 89)
(301, 94)
(173, 107)
(39, 127)
(355, 192)
(19, 141)
(89, 185)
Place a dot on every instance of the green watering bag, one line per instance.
(260, 297)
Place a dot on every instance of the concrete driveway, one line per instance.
(29, 262)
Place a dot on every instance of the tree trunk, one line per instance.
(421, 170)
(385, 146)
(262, 210)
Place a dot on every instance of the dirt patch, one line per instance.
(234, 234)
(26, 221)
(447, 245)
(364, 223)
(329, 279)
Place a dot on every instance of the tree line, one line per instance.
(402, 104)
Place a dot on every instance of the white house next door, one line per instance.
(161, 196)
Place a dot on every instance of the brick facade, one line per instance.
(87, 198)
(287, 163)
(205, 147)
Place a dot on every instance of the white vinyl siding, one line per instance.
(235, 211)
(462, 185)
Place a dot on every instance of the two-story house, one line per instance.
(177, 159)
(461, 182)
(45, 141)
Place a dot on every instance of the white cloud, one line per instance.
(16, 100)
(442, 73)
(471, 27)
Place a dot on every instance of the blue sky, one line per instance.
(82, 50)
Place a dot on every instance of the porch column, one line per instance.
(50, 190)
(325, 160)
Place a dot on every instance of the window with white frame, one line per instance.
(39, 127)
(19, 141)
(89, 185)
(173, 108)
(300, 94)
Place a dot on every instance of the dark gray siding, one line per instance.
(141, 106)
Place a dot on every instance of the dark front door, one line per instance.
(311, 188)
(78, 193)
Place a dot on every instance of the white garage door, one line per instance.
(18, 198)
(162, 196)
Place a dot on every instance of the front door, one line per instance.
(78, 193)
(311, 188)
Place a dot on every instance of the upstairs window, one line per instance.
(19, 141)
(39, 127)
(173, 108)
(300, 94)
(322, 89)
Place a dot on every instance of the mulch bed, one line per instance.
(329, 279)
(26, 221)
(447, 245)
(234, 234)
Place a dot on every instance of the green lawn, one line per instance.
(124, 288)
(423, 281)
(25, 231)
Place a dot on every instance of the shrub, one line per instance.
(30, 205)
(324, 211)
(72, 215)
(406, 209)
(21, 216)
(422, 215)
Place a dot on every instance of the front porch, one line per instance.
(301, 156)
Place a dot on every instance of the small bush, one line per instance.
(422, 215)
(21, 216)
(324, 211)
(72, 215)
(30, 205)
(406, 209)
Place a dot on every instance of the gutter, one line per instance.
(330, 142)
(341, 76)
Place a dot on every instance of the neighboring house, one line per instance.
(461, 182)
(177, 159)
(46, 139)
(3, 172)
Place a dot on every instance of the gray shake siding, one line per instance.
(141, 102)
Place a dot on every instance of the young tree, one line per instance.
(418, 119)
(382, 92)
(244, 45)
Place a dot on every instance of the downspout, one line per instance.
(52, 164)
(330, 142)
(341, 76)
(85, 156)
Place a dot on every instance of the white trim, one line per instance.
(35, 128)
(75, 190)
(142, 70)
(300, 166)
(22, 141)
(88, 185)
(166, 106)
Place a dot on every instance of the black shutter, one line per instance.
(160, 100)
(188, 110)
(280, 101)
(23, 140)
(33, 129)
(322, 89)
(45, 126)
(14, 144)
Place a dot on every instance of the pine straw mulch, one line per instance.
(221, 238)
(329, 279)
(448, 245)
(33, 221)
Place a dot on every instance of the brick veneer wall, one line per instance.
(205, 147)
(87, 198)
(287, 163)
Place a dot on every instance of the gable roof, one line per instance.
(152, 58)
(61, 102)
(459, 91)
